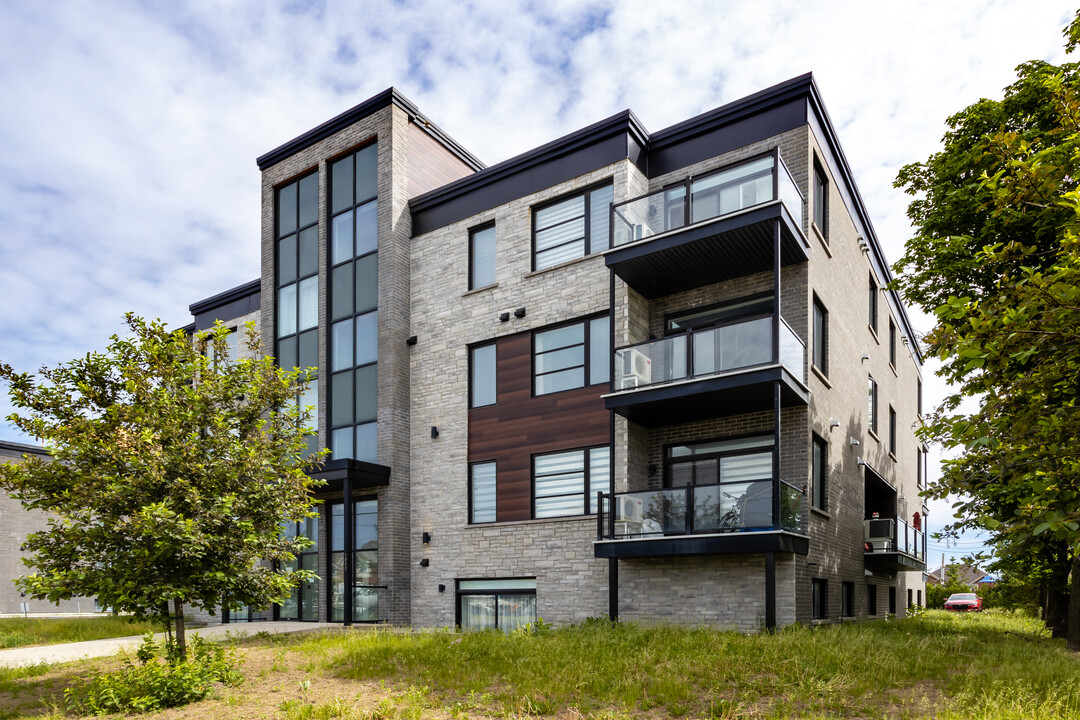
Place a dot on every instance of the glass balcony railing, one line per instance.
(707, 197)
(714, 351)
(743, 506)
(891, 535)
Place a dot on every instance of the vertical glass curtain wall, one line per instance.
(303, 602)
(297, 234)
(365, 581)
(354, 314)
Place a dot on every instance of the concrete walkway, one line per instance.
(21, 657)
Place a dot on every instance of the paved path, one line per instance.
(20, 657)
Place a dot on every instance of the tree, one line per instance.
(996, 258)
(170, 476)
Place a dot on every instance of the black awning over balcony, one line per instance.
(720, 544)
(708, 252)
(893, 561)
(709, 396)
(363, 475)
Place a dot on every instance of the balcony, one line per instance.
(718, 371)
(892, 544)
(709, 228)
(730, 517)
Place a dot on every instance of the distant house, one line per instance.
(970, 575)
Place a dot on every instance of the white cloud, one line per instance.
(129, 130)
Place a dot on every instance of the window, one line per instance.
(918, 597)
(909, 601)
(303, 601)
(892, 601)
(920, 458)
(503, 604)
(365, 557)
(821, 193)
(572, 227)
(892, 343)
(918, 396)
(892, 431)
(847, 599)
(572, 356)
(871, 599)
(821, 337)
(819, 599)
(482, 388)
(820, 473)
(745, 459)
(482, 492)
(231, 354)
(353, 304)
(481, 257)
(871, 391)
(566, 483)
(873, 298)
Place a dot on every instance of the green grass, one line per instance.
(21, 632)
(950, 666)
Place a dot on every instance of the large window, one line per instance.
(821, 195)
(566, 483)
(572, 356)
(482, 379)
(482, 492)
(503, 604)
(745, 459)
(820, 472)
(297, 232)
(871, 599)
(354, 301)
(821, 337)
(892, 431)
(364, 583)
(873, 303)
(847, 599)
(892, 343)
(303, 601)
(572, 227)
(481, 257)
(819, 596)
(872, 404)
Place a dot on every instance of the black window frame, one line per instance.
(473, 232)
(821, 200)
(892, 431)
(471, 488)
(892, 343)
(892, 599)
(847, 599)
(819, 473)
(495, 374)
(872, 404)
(670, 461)
(872, 319)
(330, 553)
(586, 322)
(589, 246)
(821, 344)
(819, 599)
(588, 497)
(871, 599)
(312, 551)
(459, 593)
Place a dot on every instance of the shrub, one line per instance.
(156, 683)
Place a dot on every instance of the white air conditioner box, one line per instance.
(636, 368)
(629, 509)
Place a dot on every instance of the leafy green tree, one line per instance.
(171, 473)
(996, 258)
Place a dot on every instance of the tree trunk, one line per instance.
(1057, 611)
(181, 640)
(1074, 606)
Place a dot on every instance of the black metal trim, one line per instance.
(19, 449)
(224, 298)
(706, 384)
(723, 544)
(770, 589)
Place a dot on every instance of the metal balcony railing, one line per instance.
(892, 535)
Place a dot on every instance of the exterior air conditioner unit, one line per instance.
(636, 369)
(879, 533)
(629, 509)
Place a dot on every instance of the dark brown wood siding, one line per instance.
(519, 425)
(430, 164)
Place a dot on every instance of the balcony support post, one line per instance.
(776, 385)
(770, 590)
(613, 563)
(348, 541)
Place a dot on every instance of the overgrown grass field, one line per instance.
(21, 632)
(955, 667)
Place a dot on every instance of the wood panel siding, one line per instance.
(519, 425)
(430, 164)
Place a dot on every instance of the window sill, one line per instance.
(894, 372)
(492, 286)
(590, 519)
(562, 265)
(873, 434)
(821, 376)
(892, 456)
(821, 513)
(873, 333)
(821, 237)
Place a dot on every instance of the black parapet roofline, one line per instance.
(223, 298)
(16, 449)
(387, 97)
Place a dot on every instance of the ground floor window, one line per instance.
(871, 599)
(847, 599)
(892, 601)
(819, 596)
(303, 602)
(909, 603)
(364, 583)
(918, 596)
(503, 604)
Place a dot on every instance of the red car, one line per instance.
(964, 601)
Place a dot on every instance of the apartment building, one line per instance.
(656, 376)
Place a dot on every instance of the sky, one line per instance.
(129, 130)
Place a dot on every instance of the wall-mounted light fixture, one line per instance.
(434, 432)
(425, 538)
(519, 313)
(411, 341)
(505, 317)
(863, 245)
(833, 422)
(865, 356)
(860, 462)
(853, 442)
(442, 588)
(425, 562)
